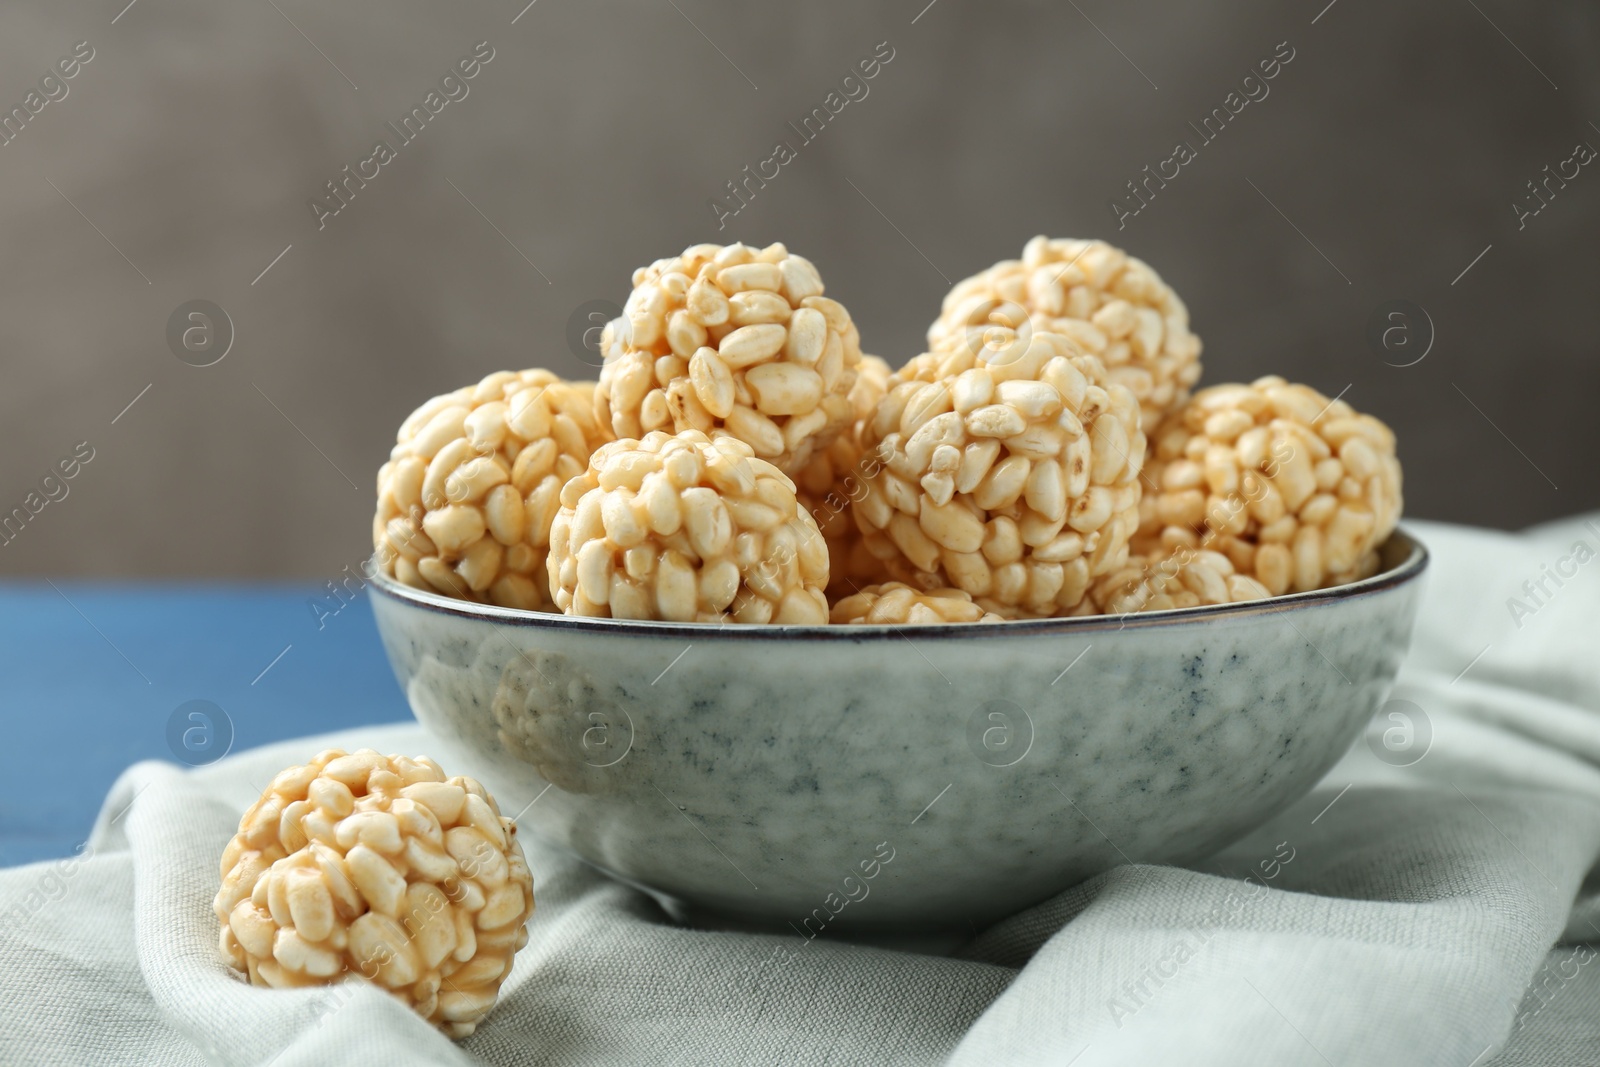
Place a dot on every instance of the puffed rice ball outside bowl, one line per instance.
(896, 780)
(378, 866)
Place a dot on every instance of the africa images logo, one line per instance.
(452, 87)
(851, 89)
(1253, 88)
(53, 88)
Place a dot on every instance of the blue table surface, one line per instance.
(97, 677)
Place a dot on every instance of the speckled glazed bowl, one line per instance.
(913, 778)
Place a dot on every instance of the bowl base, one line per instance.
(931, 942)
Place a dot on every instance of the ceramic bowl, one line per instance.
(898, 779)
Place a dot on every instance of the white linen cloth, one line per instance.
(1429, 914)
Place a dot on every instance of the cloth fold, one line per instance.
(1435, 906)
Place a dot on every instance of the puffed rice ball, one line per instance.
(872, 382)
(1015, 480)
(1185, 578)
(896, 604)
(834, 477)
(1106, 301)
(466, 500)
(731, 340)
(686, 529)
(378, 866)
(824, 489)
(1297, 491)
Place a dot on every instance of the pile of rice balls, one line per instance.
(742, 460)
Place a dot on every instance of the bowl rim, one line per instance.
(1410, 567)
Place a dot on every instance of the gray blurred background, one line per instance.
(1383, 163)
